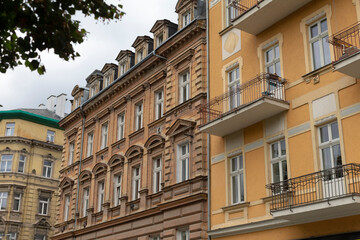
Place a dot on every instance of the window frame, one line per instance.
(3, 200)
(43, 206)
(117, 189)
(90, 144)
(135, 182)
(85, 201)
(179, 235)
(240, 173)
(50, 136)
(104, 135)
(47, 168)
(66, 207)
(186, 18)
(120, 126)
(10, 129)
(319, 38)
(230, 13)
(275, 60)
(233, 80)
(184, 85)
(139, 114)
(156, 174)
(17, 201)
(7, 162)
(100, 195)
(106, 80)
(71, 152)
(181, 173)
(23, 162)
(159, 104)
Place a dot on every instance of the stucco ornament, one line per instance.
(231, 42)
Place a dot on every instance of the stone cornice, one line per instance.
(31, 142)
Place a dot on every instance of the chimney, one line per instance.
(60, 105)
(50, 104)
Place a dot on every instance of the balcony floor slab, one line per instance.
(349, 66)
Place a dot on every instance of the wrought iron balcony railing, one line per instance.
(341, 181)
(240, 7)
(264, 85)
(346, 42)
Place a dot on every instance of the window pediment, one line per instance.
(133, 152)
(66, 182)
(181, 126)
(116, 161)
(99, 169)
(153, 142)
(85, 176)
(42, 223)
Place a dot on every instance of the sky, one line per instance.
(21, 88)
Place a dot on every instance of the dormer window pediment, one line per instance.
(143, 46)
(162, 30)
(186, 10)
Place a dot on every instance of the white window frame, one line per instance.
(66, 207)
(140, 55)
(139, 116)
(3, 200)
(237, 173)
(230, 13)
(43, 205)
(330, 144)
(17, 202)
(104, 135)
(278, 160)
(10, 129)
(40, 237)
(101, 195)
(183, 159)
(90, 144)
(159, 104)
(71, 152)
(10, 236)
(159, 39)
(107, 81)
(274, 52)
(77, 102)
(184, 86)
(50, 136)
(117, 189)
(6, 163)
(22, 161)
(186, 18)
(92, 91)
(157, 172)
(234, 86)
(47, 168)
(136, 181)
(122, 69)
(183, 234)
(121, 126)
(85, 201)
(319, 38)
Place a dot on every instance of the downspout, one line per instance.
(156, 55)
(79, 172)
(208, 135)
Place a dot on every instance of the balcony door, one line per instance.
(234, 88)
(331, 162)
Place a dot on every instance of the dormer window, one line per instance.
(92, 91)
(107, 81)
(77, 102)
(122, 69)
(140, 55)
(159, 39)
(186, 18)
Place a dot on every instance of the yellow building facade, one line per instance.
(30, 153)
(283, 118)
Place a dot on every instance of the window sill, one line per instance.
(118, 143)
(102, 151)
(315, 74)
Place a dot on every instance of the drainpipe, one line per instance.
(208, 135)
(156, 55)
(81, 154)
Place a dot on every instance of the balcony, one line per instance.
(254, 16)
(322, 195)
(346, 46)
(246, 104)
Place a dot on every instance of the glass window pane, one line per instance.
(284, 170)
(337, 155)
(276, 172)
(277, 69)
(314, 30)
(334, 130)
(242, 196)
(316, 54)
(241, 162)
(274, 150)
(234, 165)
(277, 51)
(326, 158)
(324, 134)
(324, 25)
(326, 50)
(269, 55)
(235, 188)
(283, 148)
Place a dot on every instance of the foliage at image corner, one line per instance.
(28, 27)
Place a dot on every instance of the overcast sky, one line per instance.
(21, 88)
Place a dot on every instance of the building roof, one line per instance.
(42, 112)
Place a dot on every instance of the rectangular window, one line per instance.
(47, 169)
(237, 179)
(11, 236)
(138, 116)
(136, 183)
(85, 204)
(184, 86)
(107, 81)
(159, 40)
(122, 69)
(117, 189)
(121, 126)
(3, 200)
(140, 55)
(272, 60)
(104, 136)
(40, 237)
(183, 235)
(101, 195)
(17, 202)
(77, 102)
(50, 136)
(43, 205)
(186, 19)
(10, 129)
(234, 88)
(155, 238)
(66, 207)
(279, 165)
(6, 162)
(183, 162)
(71, 153)
(89, 148)
(320, 49)
(231, 13)
(21, 167)
(159, 104)
(92, 91)
(157, 170)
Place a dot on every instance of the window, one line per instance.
(77, 102)
(140, 55)
(121, 126)
(184, 86)
(185, 19)
(50, 137)
(138, 116)
(237, 179)
(159, 104)
(155, 238)
(122, 69)
(136, 183)
(47, 169)
(8, 236)
(157, 175)
(40, 237)
(183, 162)
(9, 129)
(320, 50)
(6, 162)
(92, 91)
(43, 205)
(71, 153)
(21, 167)
(182, 235)
(117, 189)
(89, 148)
(3, 200)
(66, 207)
(330, 148)
(17, 202)
(104, 136)
(279, 165)
(234, 88)
(101, 189)
(159, 39)
(85, 204)
(272, 60)
(107, 81)
(230, 13)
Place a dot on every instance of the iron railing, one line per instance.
(242, 6)
(346, 42)
(341, 181)
(264, 85)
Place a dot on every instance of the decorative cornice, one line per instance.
(31, 142)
